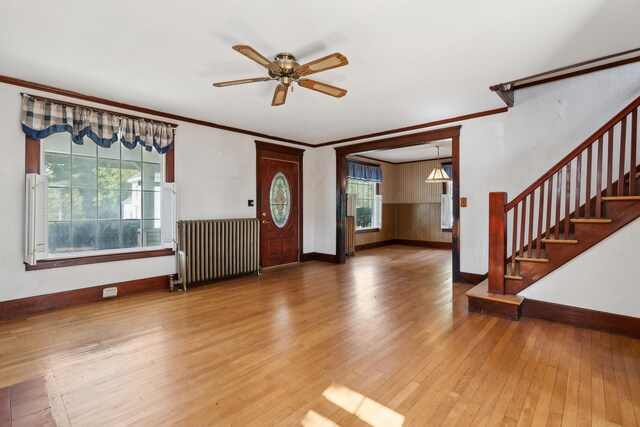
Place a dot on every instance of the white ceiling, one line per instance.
(410, 61)
(411, 154)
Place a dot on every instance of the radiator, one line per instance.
(350, 236)
(214, 249)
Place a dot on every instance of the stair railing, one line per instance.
(574, 187)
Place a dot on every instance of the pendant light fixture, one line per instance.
(438, 175)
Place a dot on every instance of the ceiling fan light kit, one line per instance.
(286, 71)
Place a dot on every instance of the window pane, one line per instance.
(84, 235)
(109, 204)
(130, 234)
(88, 148)
(83, 172)
(151, 176)
(59, 237)
(151, 156)
(58, 143)
(151, 232)
(131, 204)
(151, 204)
(57, 167)
(83, 204)
(109, 234)
(109, 174)
(131, 175)
(59, 204)
(135, 154)
(112, 152)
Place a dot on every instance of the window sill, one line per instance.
(95, 259)
(367, 230)
(447, 230)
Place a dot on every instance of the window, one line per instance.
(101, 198)
(446, 211)
(364, 203)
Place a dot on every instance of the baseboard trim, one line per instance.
(31, 305)
(319, 256)
(582, 317)
(472, 278)
(423, 243)
(373, 245)
(417, 243)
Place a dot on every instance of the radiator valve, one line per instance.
(175, 284)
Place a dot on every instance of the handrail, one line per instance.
(579, 149)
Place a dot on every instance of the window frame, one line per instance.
(33, 164)
(376, 192)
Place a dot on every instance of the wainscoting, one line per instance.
(418, 222)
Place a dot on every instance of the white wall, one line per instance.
(215, 176)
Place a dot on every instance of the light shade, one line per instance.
(438, 175)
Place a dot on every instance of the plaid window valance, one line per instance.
(41, 118)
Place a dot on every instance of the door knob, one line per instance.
(266, 222)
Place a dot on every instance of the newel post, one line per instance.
(497, 241)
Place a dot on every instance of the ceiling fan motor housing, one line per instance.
(287, 63)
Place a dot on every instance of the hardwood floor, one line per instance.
(383, 340)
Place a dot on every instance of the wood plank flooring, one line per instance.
(384, 340)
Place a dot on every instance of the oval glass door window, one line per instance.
(280, 199)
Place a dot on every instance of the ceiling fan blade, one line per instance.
(322, 87)
(242, 81)
(254, 55)
(334, 60)
(279, 96)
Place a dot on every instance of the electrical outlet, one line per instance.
(109, 292)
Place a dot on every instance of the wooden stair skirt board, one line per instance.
(482, 301)
(513, 307)
(582, 317)
(585, 236)
(31, 305)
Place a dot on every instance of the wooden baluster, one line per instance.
(549, 200)
(531, 221)
(610, 163)
(540, 215)
(497, 242)
(523, 221)
(576, 212)
(623, 147)
(599, 180)
(632, 156)
(558, 201)
(514, 240)
(567, 201)
(587, 198)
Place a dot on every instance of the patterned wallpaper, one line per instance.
(410, 185)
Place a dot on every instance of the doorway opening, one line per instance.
(422, 138)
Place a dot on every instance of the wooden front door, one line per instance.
(279, 207)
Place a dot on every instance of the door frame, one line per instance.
(420, 138)
(280, 152)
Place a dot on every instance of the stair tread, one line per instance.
(481, 291)
(560, 241)
(620, 198)
(526, 259)
(591, 220)
(507, 276)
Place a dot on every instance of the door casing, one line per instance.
(280, 152)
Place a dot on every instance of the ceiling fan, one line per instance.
(286, 71)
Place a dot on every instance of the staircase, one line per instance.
(590, 194)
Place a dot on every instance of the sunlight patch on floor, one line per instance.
(368, 410)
